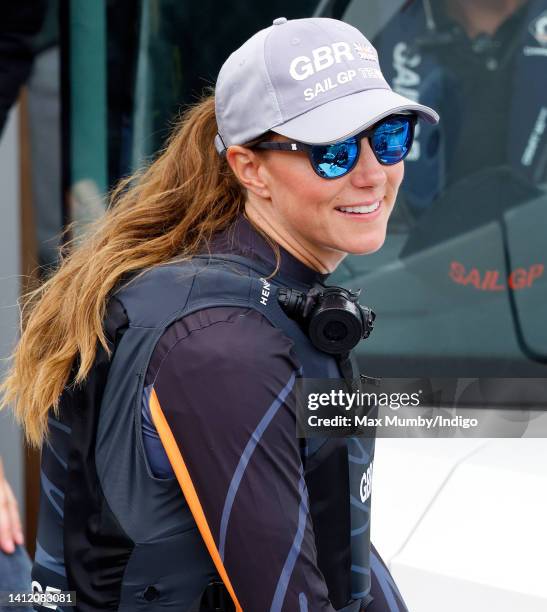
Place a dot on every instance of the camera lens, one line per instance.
(335, 331)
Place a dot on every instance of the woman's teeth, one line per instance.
(360, 209)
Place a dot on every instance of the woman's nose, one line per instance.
(368, 171)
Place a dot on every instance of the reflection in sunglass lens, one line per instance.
(391, 140)
(336, 159)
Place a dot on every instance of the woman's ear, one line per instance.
(248, 167)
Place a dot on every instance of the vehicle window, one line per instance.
(460, 284)
(179, 49)
(131, 68)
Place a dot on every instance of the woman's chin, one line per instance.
(365, 247)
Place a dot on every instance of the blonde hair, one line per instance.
(168, 211)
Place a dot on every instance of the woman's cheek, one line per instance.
(397, 178)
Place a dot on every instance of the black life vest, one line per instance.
(122, 538)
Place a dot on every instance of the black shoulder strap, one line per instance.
(348, 367)
(115, 322)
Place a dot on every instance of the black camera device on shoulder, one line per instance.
(332, 316)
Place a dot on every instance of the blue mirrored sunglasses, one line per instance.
(390, 140)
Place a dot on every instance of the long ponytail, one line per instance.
(169, 210)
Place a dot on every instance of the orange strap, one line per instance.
(187, 486)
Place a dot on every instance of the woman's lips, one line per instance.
(361, 211)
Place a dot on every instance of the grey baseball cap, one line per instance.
(314, 80)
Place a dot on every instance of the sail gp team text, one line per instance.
(436, 422)
(346, 76)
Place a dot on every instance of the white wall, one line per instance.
(11, 448)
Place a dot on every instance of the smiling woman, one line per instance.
(317, 220)
(161, 358)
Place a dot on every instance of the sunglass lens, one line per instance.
(392, 140)
(332, 161)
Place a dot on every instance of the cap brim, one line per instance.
(344, 117)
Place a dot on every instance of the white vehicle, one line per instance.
(461, 522)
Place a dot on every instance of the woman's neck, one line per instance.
(323, 263)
